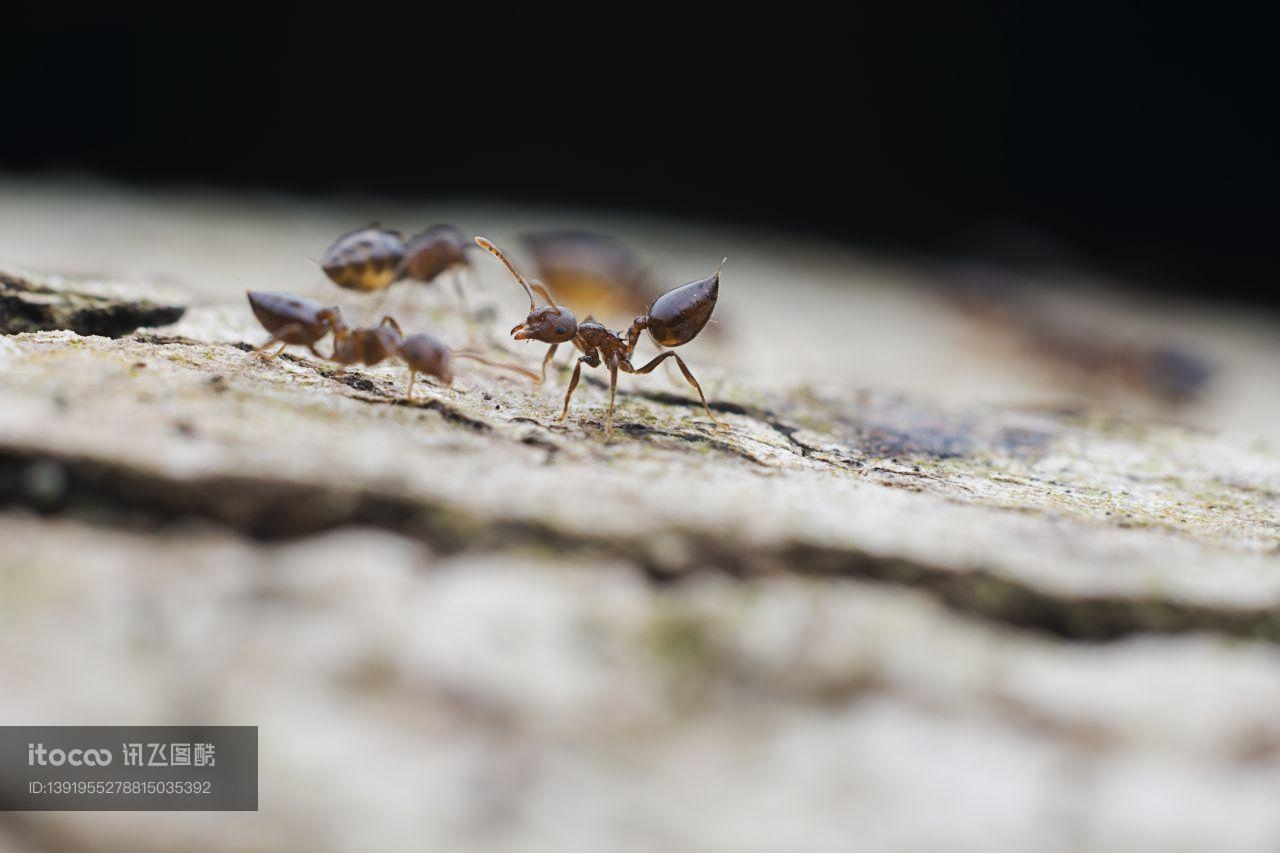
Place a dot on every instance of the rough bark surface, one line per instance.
(1034, 613)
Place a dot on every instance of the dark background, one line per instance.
(1137, 141)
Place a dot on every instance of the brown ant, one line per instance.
(371, 345)
(674, 318)
(372, 258)
(421, 352)
(295, 320)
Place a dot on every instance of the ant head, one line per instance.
(332, 317)
(552, 324)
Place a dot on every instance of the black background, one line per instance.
(1136, 140)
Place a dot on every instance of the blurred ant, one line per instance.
(421, 352)
(295, 320)
(595, 273)
(674, 318)
(371, 345)
(372, 258)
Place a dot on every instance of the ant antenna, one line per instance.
(497, 364)
(546, 294)
(497, 253)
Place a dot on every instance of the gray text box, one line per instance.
(129, 768)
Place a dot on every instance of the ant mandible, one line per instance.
(676, 317)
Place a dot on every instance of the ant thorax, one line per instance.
(595, 334)
(433, 252)
(367, 346)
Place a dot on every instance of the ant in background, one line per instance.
(595, 273)
(674, 318)
(372, 258)
(296, 320)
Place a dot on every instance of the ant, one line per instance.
(295, 320)
(421, 352)
(373, 258)
(674, 318)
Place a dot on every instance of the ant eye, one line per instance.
(560, 330)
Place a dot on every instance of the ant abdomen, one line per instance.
(677, 316)
(292, 319)
(368, 259)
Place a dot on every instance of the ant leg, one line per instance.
(541, 290)
(638, 325)
(382, 299)
(613, 393)
(277, 337)
(670, 369)
(573, 383)
(460, 291)
(458, 274)
(684, 368)
(271, 341)
(591, 358)
(408, 391)
(388, 320)
(546, 361)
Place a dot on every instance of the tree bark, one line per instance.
(851, 612)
